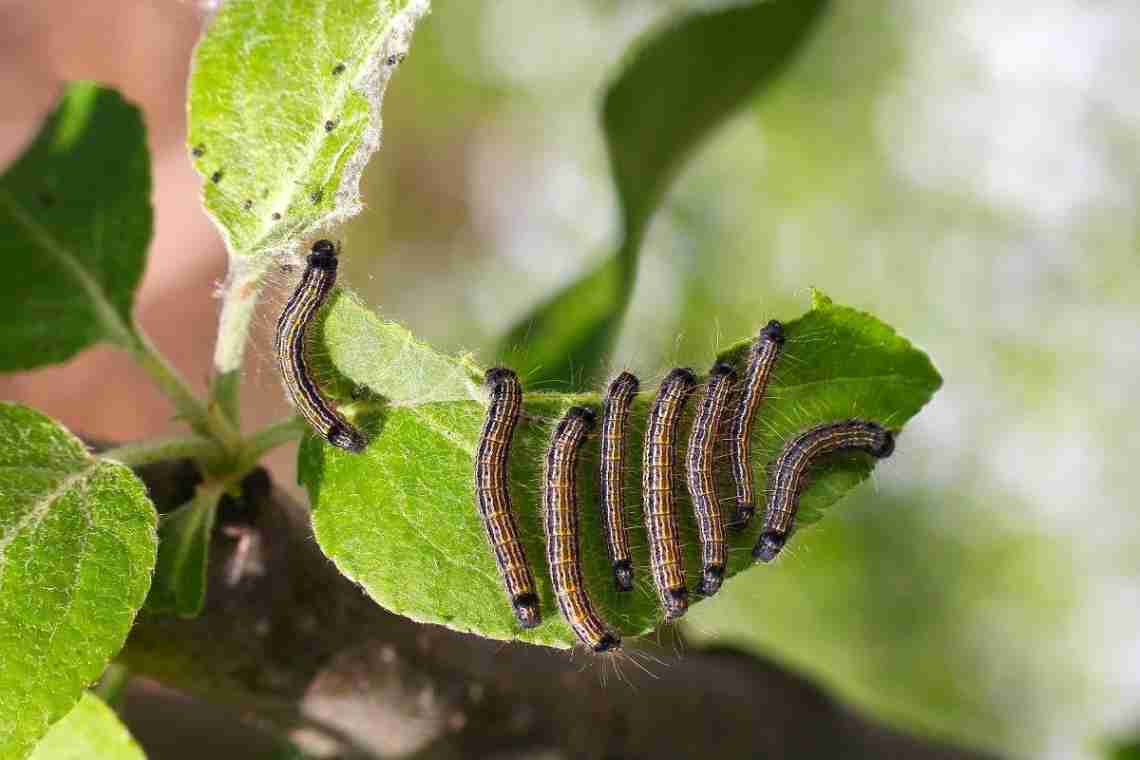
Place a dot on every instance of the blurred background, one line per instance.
(967, 170)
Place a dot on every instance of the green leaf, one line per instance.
(385, 359)
(284, 112)
(75, 218)
(680, 84)
(77, 547)
(179, 585)
(400, 518)
(90, 730)
(284, 115)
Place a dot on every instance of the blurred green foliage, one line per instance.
(75, 219)
(678, 85)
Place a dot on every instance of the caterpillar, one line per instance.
(289, 344)
(611, 465)
(560, 513)
(658, 466)
(789, 473)
(561, 518)
(493, 495)
(701, 479)
(761, 358)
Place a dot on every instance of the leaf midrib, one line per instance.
(41, 507)
(118, 331)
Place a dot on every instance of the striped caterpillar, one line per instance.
(560, 501)
(289, 345)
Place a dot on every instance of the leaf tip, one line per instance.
(819, 299)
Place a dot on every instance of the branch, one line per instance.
(285, 637)
(206, 420)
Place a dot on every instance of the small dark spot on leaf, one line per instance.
(317, 195)
(47, 199)
(198, 151)
(395, 59)
(338, 69)
(330, 125)
(276, 217)
(247, 204)
(216, 177)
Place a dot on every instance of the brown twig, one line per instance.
(288, 639)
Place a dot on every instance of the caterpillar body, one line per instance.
(700, 477)
(493, 494)
(611, 465)
(789, 473)
(561, 525)
(658, 467)
(290, 346)
(761, 358)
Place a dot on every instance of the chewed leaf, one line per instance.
(285, 111)
(90, 730)
(77, 547)
(400, 518)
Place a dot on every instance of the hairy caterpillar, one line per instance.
(289, 344)
(701, 478)
(560, 513)
(761, 358)
(493, 495)
(789, 473)
(660, 506)
(611, 465)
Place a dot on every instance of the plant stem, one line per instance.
(272, 436)
(242, 289)
(147, 452)
(203, 419)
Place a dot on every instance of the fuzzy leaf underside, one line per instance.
(75, 221)
(400, 518)
(679, 84)
(284, 112)
(77, 547)
(90, 730)
(396, 365)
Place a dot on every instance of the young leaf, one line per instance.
(90, 730)
(400, 518)
(679, 85)
(179, 585)
(284, 114)
(77, 547)
(75, 221)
